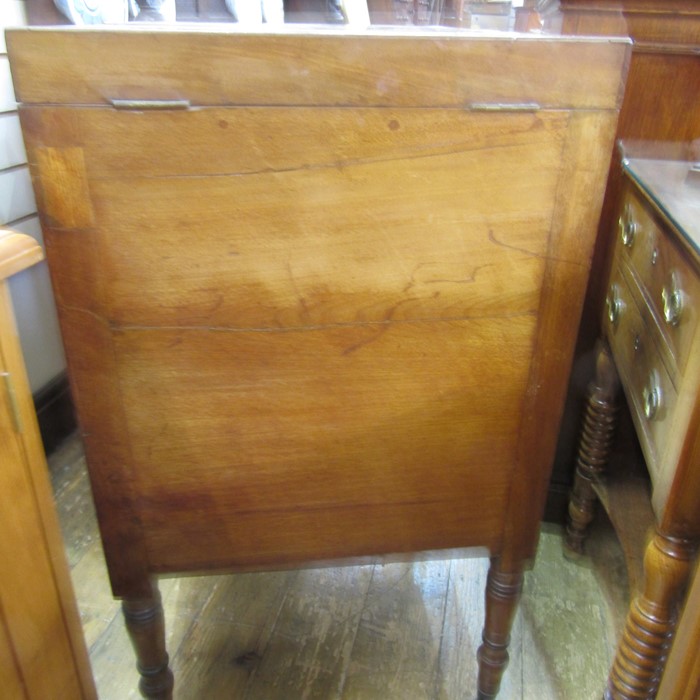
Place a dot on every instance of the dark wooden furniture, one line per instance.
(660, 100)
(652, 343)
(319, 291)
(660, 103)
(42, 650)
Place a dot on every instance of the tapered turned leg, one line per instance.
(594, 448)
(651, 621)
(146, 628)
(502, 596)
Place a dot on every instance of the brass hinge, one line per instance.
(12, 398)
(150, 105)
(504, 106)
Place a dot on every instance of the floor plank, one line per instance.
(566, 652)
(311, 645)
(401, 624)
(464, 619)
(229, 635)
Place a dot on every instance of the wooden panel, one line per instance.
(390, 218)
(323, 428)
(439, 70)
(241, 141)
(664, 24)
(341, 253)
(266, 250)
(391, 221)
(91, 367)
(264, 400)
(564, 282)
(65, 193)
(675, 117)
(301, 314)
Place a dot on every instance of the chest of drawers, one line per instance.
(319, 291)
(651, 347)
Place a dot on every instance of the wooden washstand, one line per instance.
(319, 291)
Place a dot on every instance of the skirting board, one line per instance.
(55, 412)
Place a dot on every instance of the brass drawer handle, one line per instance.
(672, 300)
(652, 396)
(614, 304)
(628, 228)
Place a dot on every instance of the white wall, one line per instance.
(31, 289)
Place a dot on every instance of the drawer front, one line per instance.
(666, 279)
(650, 392)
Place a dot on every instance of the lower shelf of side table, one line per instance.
(625, 493)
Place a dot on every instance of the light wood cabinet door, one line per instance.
(42, 651)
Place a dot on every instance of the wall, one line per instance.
(31, 289)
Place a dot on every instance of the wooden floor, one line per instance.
(403, 632)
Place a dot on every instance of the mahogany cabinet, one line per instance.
(660, 104)
(319, 290)
(651, 348)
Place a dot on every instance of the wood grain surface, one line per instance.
(315, 68)
(405, 229)
(323, 304)
(42, 652)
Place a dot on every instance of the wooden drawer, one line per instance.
(648, 386)
(666, 279)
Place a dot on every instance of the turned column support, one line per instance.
(146, 628)
(596, 439)
(502, 595)
(641, 654)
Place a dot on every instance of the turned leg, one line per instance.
(146, 628)
(502, 596)
(651, 621)
(594, 448)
